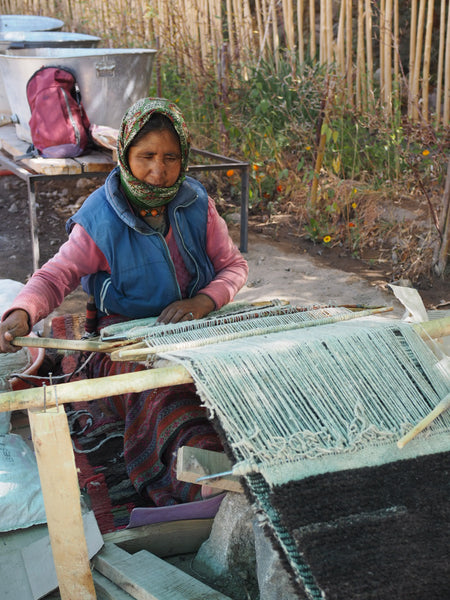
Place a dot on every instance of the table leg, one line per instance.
(31, 185)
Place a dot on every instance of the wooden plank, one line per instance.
(59, 482)
(193, 463)
(107, 590)
(96, 162)
(163, 539)
(53, 166)
(11, 143)
(45, 166)
(147, 577)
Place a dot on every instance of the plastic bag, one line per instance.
(21, 500)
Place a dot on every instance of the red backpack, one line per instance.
(59, 124)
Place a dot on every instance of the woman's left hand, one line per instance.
(187, 310)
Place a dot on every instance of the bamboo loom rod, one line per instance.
(142, 350)
(58, 344)
(91, 389)
(434, 414)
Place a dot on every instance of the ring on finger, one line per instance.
(191, 315)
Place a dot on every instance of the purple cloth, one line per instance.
(201, 509)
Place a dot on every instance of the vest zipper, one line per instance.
(194, 286)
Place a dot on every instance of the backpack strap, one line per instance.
(31, 152)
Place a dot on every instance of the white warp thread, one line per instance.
(329, 390)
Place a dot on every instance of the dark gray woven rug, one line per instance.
(378, 533)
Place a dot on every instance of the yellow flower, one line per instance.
(255, 167)
(354, 205)
(327, 239)
(308, 147)
(426, 152)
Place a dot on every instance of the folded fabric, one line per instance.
(202, 509)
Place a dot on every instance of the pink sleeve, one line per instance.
(230, 266)
(61, 275)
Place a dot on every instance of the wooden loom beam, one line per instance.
(61, 493)
(91, 389)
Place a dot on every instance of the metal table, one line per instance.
(95, 164)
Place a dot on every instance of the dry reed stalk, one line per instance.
(382, 28)
(300, 26)
(330, 40)
(412, 53)
(248, 32)
(396, 59)
(440, 67)
(265, 47)
(446, 115)
(340, 44)
(203, 31)
(216, 25)
(369, 49)
(361, 89)
(288, 18)
(237, 27)
(322, 32)
(427, 60)
(312, 29)
(231, 41)
(387, 58)
(349, 51)
(418, 61)
(259, 25)
(276, 39)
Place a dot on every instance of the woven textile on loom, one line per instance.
(312, 417)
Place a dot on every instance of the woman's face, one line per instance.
(156, 158)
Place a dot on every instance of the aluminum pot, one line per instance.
(29, 23)
(39, 39)
(110, 79)
(46, 39)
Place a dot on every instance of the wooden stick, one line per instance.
(433, 329)
(438, 410)
(77, 345)
(59, 481)
(141, 353)
(91, 389)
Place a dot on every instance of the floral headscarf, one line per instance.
(145, 195)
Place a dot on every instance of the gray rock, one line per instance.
(273, 579)
(227, 558)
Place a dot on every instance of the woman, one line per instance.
(149, 242)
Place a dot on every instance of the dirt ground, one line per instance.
(281, 265)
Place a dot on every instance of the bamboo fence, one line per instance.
(358, 40)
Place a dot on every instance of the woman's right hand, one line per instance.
(16, 324)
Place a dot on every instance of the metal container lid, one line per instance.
(46, 39)
(29, 23)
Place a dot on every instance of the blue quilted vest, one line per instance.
(142, 280)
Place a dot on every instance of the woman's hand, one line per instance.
(187, 310)
(16, 324)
